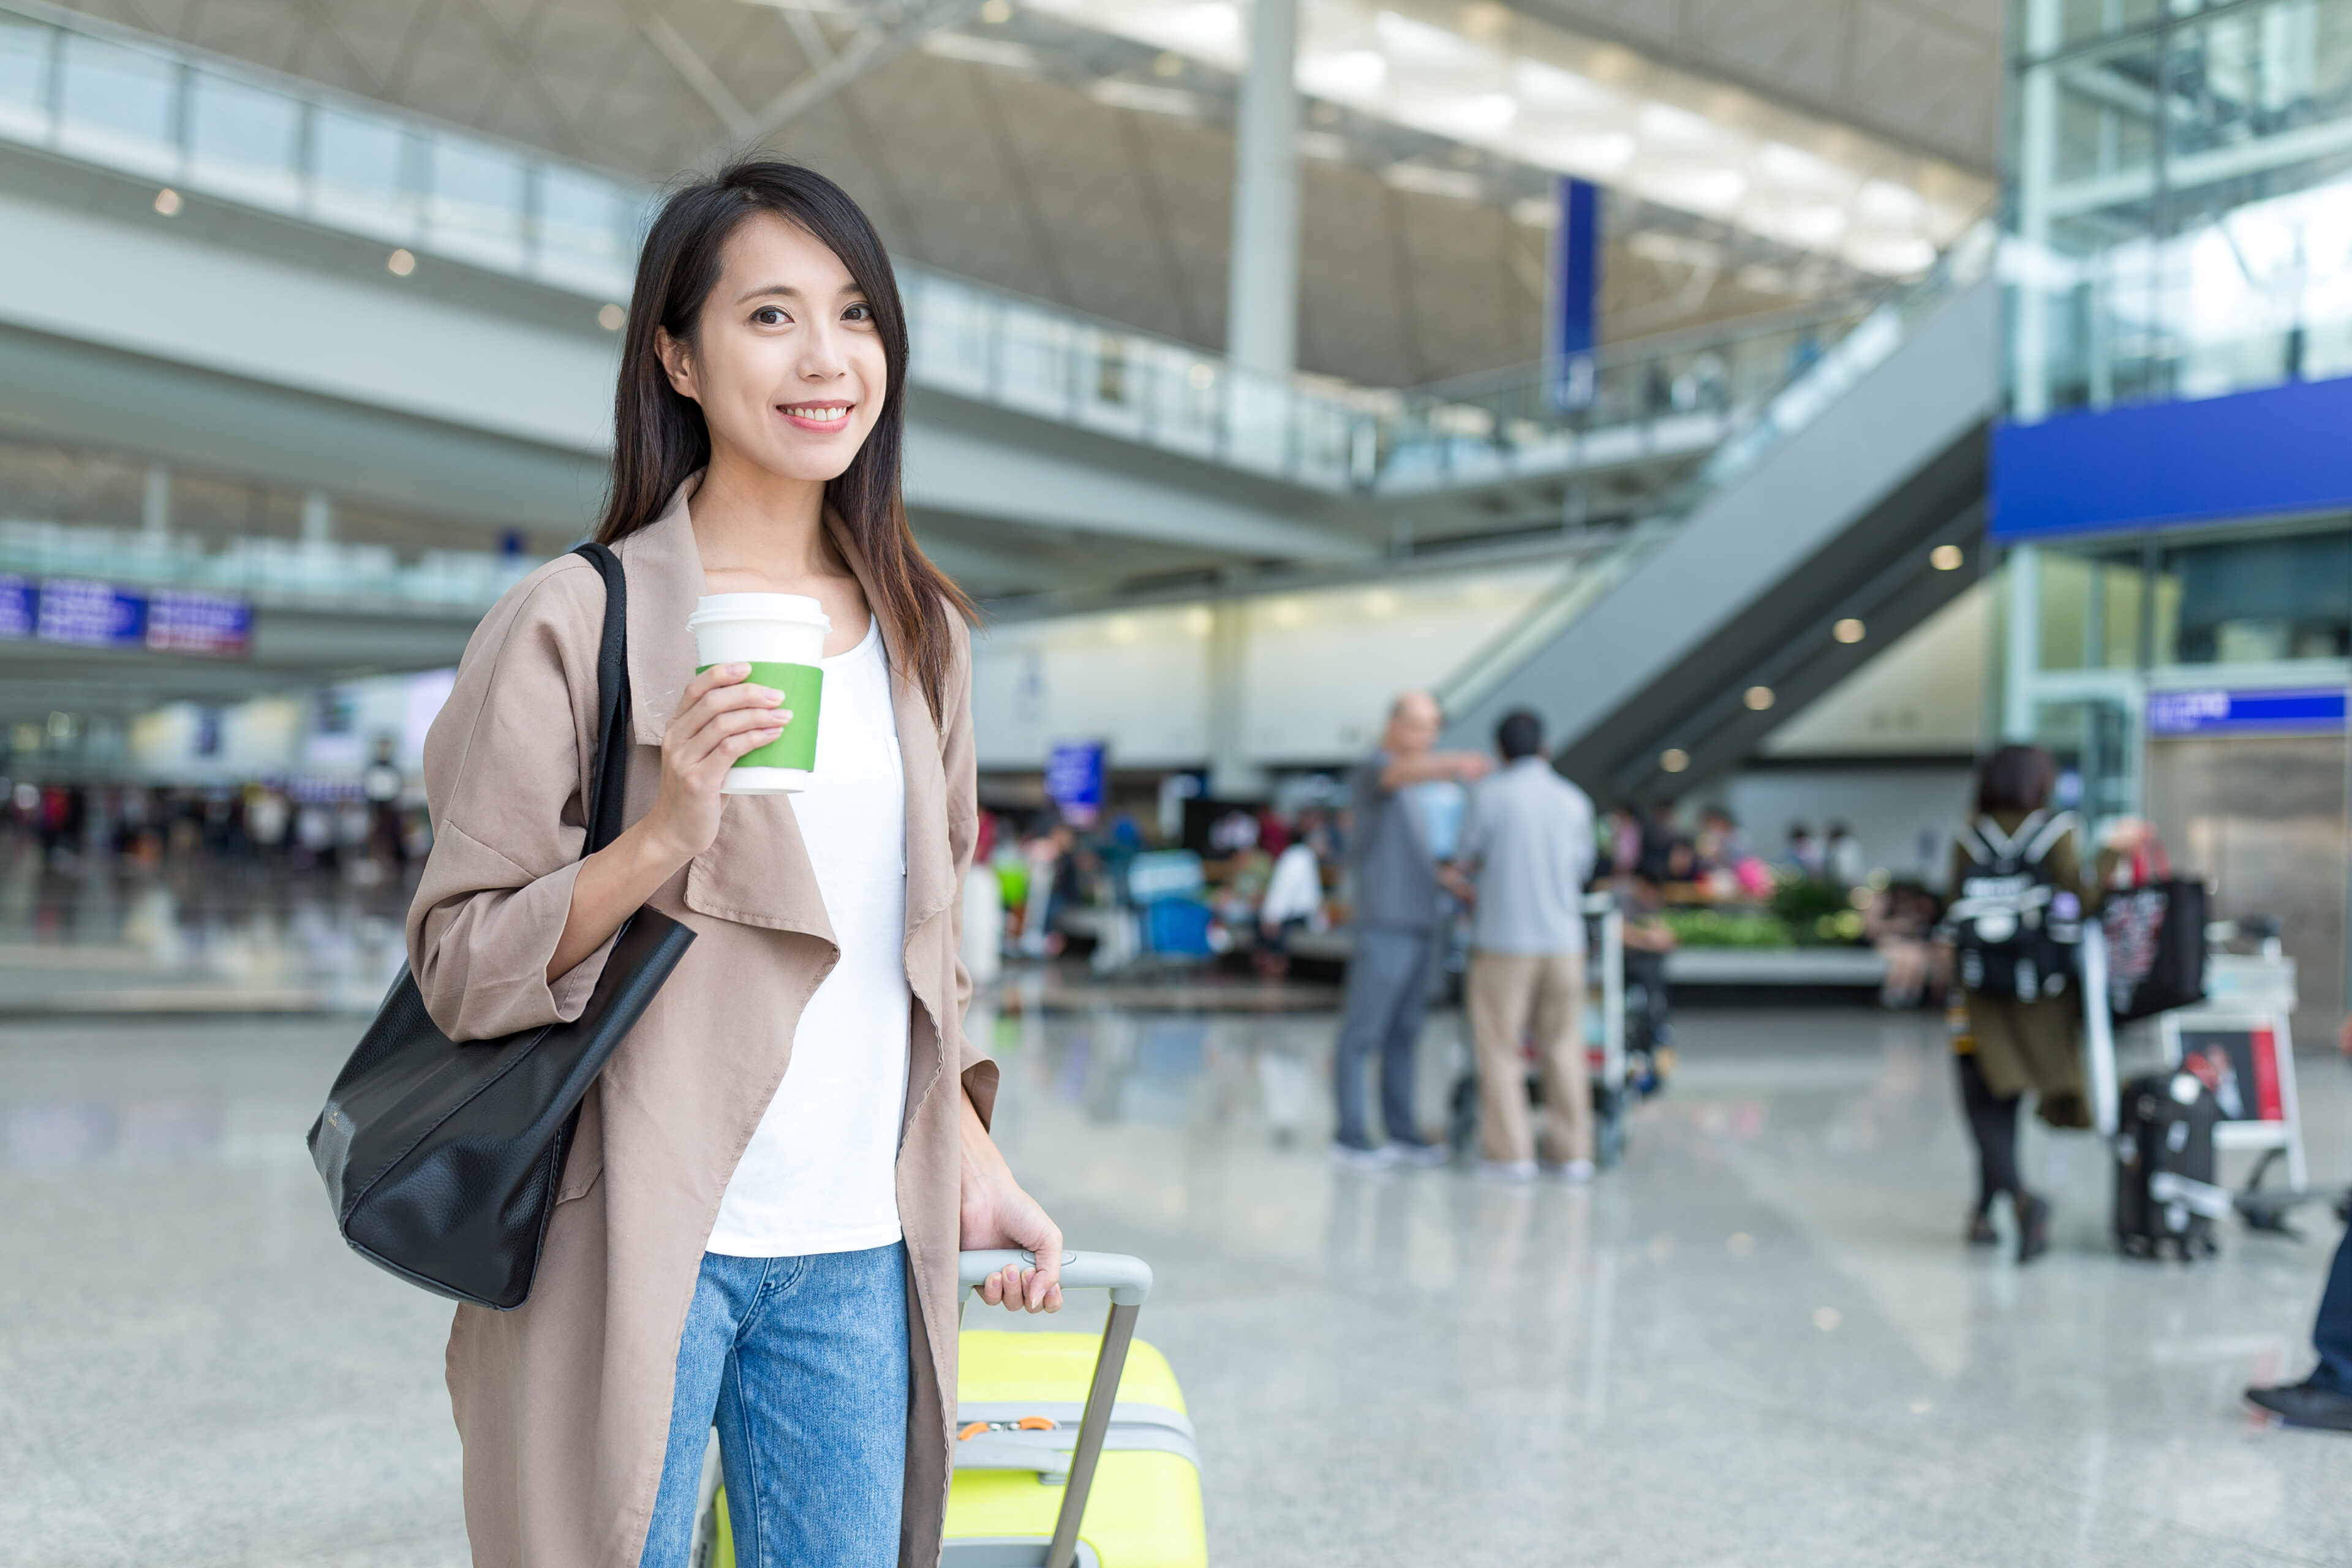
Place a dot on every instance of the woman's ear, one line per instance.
(675, 363)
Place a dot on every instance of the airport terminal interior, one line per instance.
(1760, 473)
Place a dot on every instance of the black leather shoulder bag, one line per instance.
(442, 1158)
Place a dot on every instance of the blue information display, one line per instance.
(2300, 712)
(1073, 780)
(82, 613)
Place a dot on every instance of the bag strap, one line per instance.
(607, 779)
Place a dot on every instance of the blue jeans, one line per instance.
(802, 1363)
(2332, 1334)
(1388, 992)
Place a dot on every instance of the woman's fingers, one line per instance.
(711, 679)
(716, 731)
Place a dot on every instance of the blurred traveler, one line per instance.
(2324, 1398)
(2020, 1042)
(1804, 851)
(1721, 844)
(1624, 839)
(381, 784)
(1526, 849)
(1900, 925)
(982, 943)
(772, 1250)
(1841, 858)
(1648, 939)
(1292, 901)
(1395, 932)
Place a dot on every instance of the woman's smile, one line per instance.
(828, 415)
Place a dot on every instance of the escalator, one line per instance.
(1851, 508)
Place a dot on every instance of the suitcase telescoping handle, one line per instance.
(1129, 1280)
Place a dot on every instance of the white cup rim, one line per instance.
(788, 609)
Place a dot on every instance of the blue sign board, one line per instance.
(81, 613)
(2279, 451)
(1073, 780)
(2303, 711)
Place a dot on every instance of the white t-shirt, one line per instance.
(820, 1173)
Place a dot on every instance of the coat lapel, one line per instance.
(757, 870)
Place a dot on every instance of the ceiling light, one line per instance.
(1144, 97)
(168, 202)
(400, 263)
(1848, 630)
(1169, 63)
(1673, 759)
(1423, 180)
(1001, 52)
(1351, 73)
(1945, 558)
(1757, 698)
(611, 317)
(996, 13)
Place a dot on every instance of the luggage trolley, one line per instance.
(1071, 1451)
(1604, 1039)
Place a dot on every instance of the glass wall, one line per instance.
(2199, 679)
(2181, 214)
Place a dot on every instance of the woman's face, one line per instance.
(786, 361)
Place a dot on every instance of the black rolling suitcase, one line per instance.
(2165, 1190)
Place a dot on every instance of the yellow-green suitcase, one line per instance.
(1071, 1452)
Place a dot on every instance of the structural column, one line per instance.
(1262, 282)
(1232, 775)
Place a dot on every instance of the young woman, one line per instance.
(2012, 1045)
(759, 1218)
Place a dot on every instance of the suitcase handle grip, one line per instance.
(1128, 1279)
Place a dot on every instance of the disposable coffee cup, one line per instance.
(781, 638)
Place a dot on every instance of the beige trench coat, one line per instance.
(564, 1404)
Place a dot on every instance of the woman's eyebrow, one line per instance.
(787, 291)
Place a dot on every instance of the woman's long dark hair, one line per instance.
(659, 436)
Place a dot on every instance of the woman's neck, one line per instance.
(751, 519)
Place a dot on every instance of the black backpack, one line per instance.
(2017, 931)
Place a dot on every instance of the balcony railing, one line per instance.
(265, 569)
(142, 106)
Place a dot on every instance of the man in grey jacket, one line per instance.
(1395, 931)
(1526, 850)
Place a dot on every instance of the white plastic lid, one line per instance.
(795, 607)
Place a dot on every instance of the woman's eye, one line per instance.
(770, 316)
(858, 312)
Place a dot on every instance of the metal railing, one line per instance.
(143, 106)
(261, 567)
(1796, 403)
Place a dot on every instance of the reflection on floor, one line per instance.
(1758, 1342)
(222, 936)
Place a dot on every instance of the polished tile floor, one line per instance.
(1758, 1342)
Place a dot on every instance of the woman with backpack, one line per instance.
(2019, 897)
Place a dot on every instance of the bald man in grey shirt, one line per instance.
(1526, 850)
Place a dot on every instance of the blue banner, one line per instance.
(81, 613)
(2279, 451)
(1073, 780)
(2304, 711)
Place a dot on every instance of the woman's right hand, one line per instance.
(720, 716)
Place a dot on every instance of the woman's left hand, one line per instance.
(995, 1212)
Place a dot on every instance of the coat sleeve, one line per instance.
(503, 769)
(959, 760)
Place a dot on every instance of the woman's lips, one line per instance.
(821, 417)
